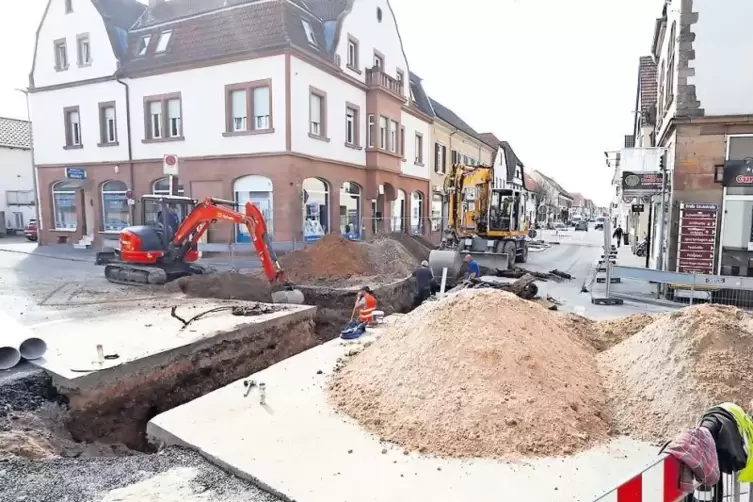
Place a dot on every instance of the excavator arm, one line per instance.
(210, 211)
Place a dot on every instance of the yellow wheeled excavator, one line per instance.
(486, 222)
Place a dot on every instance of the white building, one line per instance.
(300, 106)
(17, 199)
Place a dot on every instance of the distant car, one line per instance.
(30, 231)
(559, 226)
(581, 225)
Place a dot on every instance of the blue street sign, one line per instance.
(75, 173)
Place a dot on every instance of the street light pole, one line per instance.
(33, 162)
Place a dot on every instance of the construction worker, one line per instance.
(366, 305)
(424, 278)
(474, 272)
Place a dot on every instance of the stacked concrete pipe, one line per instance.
(17, 342)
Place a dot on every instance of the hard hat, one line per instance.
(424, 263)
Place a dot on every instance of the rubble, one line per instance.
(664, 377)
(449, 379)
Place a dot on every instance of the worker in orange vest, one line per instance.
(366, 305)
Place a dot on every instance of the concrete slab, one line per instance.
(140, 334)
(296, 447)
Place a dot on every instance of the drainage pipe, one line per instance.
(21, 339)
(9, 354)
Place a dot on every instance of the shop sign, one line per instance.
(738, 173)
(641, 183)
(75, 173)
(697, 238)
(637, 208)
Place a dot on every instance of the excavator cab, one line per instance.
(165, 214)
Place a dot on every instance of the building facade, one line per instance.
(17, 197)
(300, 107)
(555, 201)
(704, 125)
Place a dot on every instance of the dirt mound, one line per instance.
(390, 258)
(332, 257)
(450, 379)
(665, 376)
(225, 285)
(603, 335)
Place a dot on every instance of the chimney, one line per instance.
(154, 3)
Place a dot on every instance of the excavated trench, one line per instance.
(113, 406)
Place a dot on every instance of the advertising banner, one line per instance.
(641, 183)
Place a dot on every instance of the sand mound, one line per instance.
(332, 257)
(480, 373)
(664, 377)
(603, 335)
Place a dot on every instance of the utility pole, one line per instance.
(661, 216)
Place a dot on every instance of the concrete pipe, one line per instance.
(32, 348)
(450, 259)
(294, 296)
(9, 355)
(22, 339)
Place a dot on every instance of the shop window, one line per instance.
(399, 215)
(64, 205)
(350, 210)
(115, 211)
(436, 212)
(152, 209)
(315, 209)
(258, 190)
(417, 213)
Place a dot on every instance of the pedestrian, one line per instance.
(366, 305)
(618, 235)
(424, 279)
(474, 272)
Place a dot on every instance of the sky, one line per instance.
(557, 79)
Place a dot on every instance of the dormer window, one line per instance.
(164, 39)
(143, 45)
(309, 32)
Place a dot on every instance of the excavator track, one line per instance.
(130, 275)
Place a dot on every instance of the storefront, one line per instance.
(259, 191)
(736, 256)
(315, 209)
(351, 223)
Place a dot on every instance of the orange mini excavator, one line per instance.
(166, 248)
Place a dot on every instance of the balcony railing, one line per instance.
(377, 78)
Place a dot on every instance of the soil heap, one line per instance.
(603, 335)
(663, 378)
(480, 373)
(330, 258)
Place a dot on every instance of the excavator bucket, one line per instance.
(288, 295)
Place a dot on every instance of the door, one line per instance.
(18, 221)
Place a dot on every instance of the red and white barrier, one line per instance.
(659, 482)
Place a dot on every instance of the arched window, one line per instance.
(115, 213)
(259, 191)
(417, 213)
(399, 212)
(151, 209)
(350, 210)
(315, 209)
(64, 205)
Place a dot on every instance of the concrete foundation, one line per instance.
(160, 364)
(295, 446)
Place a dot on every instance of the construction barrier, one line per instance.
(659, 482)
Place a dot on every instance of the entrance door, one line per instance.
(263, 201)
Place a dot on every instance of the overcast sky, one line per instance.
(557, 79)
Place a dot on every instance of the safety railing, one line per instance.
(677, 288)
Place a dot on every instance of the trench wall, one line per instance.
(114, 405)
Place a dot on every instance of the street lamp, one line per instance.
(33, 163)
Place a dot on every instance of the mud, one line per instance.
(225, 286)
(118, 411)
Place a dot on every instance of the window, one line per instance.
(72, 127)
(383, 133)
(440, 154)
(670, 90)
(378, 61)
(64, 205)
(61, 55)
(163, 117)
(84, 50)
(400, 76)
(352, 136)
(115, 213)
(379, 14)
(68, 6)
(455, 157)
(402, 141)
(143, 45)
(164, 39)
(19, 197)
(107, 126)
(317, 114)
(419, 149)
(393, 136)
(248, 107)
(371, 132)
(352, 53)
(309, 31)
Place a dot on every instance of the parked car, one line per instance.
(30, 231)
(581, 225)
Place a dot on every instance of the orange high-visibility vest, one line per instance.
(368, 308)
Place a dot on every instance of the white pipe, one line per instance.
(20, 339)
(9, 355)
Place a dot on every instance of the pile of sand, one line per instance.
(664, 377)
(603, 335)
(330, 258)
(454, 378)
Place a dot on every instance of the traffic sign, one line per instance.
(170, 164)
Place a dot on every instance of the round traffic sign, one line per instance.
(170, 160)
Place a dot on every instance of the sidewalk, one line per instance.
(630, 289)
